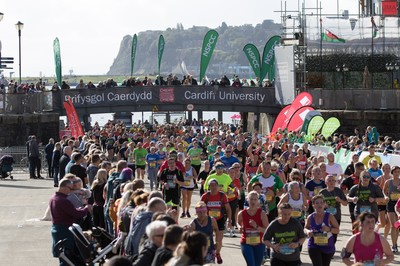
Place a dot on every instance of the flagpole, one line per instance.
(320, 47)
(372, 50)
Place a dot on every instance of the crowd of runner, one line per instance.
(272, 193)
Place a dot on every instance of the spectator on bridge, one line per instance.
(65, 86)
(55, 87)
(81, 85)
(90, 85)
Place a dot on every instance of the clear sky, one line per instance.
(90, 31)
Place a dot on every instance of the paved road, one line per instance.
(25, 240)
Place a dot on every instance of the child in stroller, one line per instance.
(6, 166)
(93, 247)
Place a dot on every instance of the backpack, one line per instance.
(137, 230)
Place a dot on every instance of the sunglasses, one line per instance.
(366, 177)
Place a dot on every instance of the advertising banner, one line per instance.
(303, 99)
(57, 60)
(253, 55)
(285, 83)
(86, 98)
(73, 119)
(209, 43)
(268, 58)
(330, 126)
(133, 52)
(297, 120)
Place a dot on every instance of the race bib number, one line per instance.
(141, 159)
(231, 194)
(332, 210)
(365, 209)
(268, 197)
(296, 213)
(316, 191)
(186, 183)
(394, 196)
(171, 184)
(195, 158)
(252, 237)
(152, 164)
(286, 250)
(321, 239)
(215, 213)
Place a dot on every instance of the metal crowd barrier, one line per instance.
(19, 153)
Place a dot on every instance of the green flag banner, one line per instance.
(57, 60)
(268, 58)
(253, 55)
(161, 44)
(307, 119)
(133, 52)
(330, 126)
(314, 126)
(209, 43)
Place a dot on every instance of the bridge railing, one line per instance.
(355, 99)
(327, 99)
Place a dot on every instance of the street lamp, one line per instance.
(19, 27)
(344, 68)
(392, 67)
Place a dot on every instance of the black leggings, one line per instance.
(318, 258)
(233, 204)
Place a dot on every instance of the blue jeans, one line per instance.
(54, 174)
(253, 254)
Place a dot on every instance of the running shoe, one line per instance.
(219, 259)
(188, 215)
(183, 215)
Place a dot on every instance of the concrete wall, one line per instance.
(15, 129)
(386, 122)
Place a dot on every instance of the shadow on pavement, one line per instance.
(24, 187)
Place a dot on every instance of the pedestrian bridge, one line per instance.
(191, 98)
(140, 99)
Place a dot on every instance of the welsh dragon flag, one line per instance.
(328, 36)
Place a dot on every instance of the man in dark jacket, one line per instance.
(34, 157)
(64, 160)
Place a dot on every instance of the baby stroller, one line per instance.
(6, 166)
(94, 248)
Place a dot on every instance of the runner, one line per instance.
(188, 187)
(320, 227)
(252, 221)
(218, 207)
(367, 245)
(284, 236)
(208, 225)
(171, 179)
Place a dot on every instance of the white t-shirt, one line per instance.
(335, 170)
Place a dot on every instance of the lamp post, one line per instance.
(19, 27)
(342, 69)
(392, 67)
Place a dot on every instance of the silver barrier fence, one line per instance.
(19, 153)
